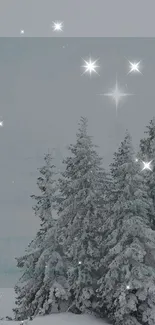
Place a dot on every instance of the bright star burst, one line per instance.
(116, 95)
(134, 67)
(90, 66)
(147, 165)
(57, 26)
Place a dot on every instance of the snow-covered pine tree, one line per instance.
(147, 154)
(147, 144)
(126, 292)
(42, 285)
(83, 188)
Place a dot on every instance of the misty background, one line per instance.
(42, 96)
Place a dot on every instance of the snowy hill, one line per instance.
(7, 303)
(61, 319)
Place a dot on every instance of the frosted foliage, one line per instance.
(52, 292)
(57, 300)
(59, 291)
(83, 187)
(83, 301)
(129, 262)
(147, 153)
(53, 266)
(42, 264)
(135, 251)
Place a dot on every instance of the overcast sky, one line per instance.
(81, 18)
(43, 95)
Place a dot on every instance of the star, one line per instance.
(90, 66)
(80, 262)
(22, 31)
(116, 95)
(57, 26)
(127, 287)
(134, 67)
(147, 165)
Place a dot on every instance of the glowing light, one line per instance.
(90, 66)
(1, 123)
(80, 262)
(22, 31)
(147, 165)
(57, 26)
(116, 94)
(134, 67)
(136, 159)
(127, 287)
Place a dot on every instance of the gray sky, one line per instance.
(43, 95)
(82, 18)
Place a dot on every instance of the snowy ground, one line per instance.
(7, 303)
(61, 319)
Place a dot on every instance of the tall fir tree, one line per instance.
(42, 286)
(83, 188)
(147, 154)
(147, 145)
(126, 292)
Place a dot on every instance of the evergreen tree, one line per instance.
(126, 291)
(42, 285)
(147, 145)
(147, 154)
(83, 188)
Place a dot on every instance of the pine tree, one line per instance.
(42, 285)
(83, 188)
(147, 144)
(126, 291)
(147, 154)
